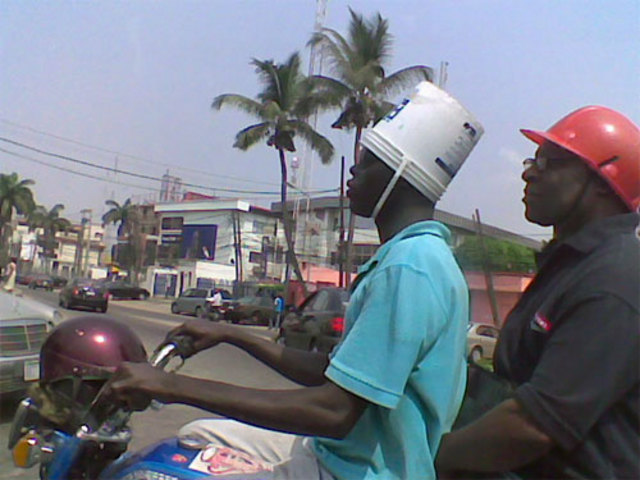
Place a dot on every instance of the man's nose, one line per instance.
(530, 173)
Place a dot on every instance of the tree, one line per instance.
(281, 108)
(126, 216)
(15, 195)
(360, 87)
(51, 223)
(503, 256)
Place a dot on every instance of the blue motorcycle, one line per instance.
(87, 439)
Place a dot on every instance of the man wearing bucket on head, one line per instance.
(571, 345)
(377, 406)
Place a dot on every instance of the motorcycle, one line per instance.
(94, 445)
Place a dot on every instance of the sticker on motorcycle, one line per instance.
(218, 460)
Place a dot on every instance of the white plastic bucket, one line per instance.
(425, 139)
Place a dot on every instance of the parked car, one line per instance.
(51, 314)
(251, 310)
(40, 280)
(23, 330)
(59, 282)
(481, 341)
(318, 323)
(22, 279)
(123, 290)
(193, 301)
(83, 292)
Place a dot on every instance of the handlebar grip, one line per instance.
(184, 345)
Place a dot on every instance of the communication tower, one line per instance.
(304, 164)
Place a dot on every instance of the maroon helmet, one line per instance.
(80, 354)
(91, 346)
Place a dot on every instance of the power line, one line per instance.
(81, 174)
(132, 157)
(109, 180)
(143, 176)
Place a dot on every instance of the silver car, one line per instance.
(193, 301)
(23, 330)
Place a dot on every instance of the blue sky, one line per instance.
(89, 79)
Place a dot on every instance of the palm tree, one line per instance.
(281, 108)
(361, 88)
(15, 195)
(126, 215)
(51, 223)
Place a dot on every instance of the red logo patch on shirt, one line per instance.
(541, 323)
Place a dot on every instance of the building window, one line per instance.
(172, 223)
(259, 227)
(256, 257)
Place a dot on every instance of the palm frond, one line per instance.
(319, 94)
(337, 51)
(404, 78)
(318, 143)
(249, 136)
(241, 102)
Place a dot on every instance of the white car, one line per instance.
(481, 341)
(24, 325)
(28, 305)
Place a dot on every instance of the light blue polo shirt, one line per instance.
(403, 350)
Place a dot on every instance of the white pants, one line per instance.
(290, 455)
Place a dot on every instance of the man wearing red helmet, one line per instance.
(571, 345)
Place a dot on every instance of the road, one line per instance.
(151, 319)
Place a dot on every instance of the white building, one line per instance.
(77, 252)
(210, 242)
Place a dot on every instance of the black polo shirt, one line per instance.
(572, 347)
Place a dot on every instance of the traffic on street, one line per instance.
(151, 320)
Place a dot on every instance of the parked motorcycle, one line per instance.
(66, 426)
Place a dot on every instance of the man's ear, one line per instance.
(604, 191)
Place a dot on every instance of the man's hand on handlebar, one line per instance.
(205, 334)
(136, 384)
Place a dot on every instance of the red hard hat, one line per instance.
(607, 141)
(88, 347)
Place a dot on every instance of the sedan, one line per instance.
(251, 310)
(318, 324)
(122, 290)
(481, 341)
(41, 281)
(82, 292)
(23, 330)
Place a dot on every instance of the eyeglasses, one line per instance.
(541, 163)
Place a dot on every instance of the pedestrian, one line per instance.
(377, 407)
(216, 303)
(278, 307)
(570, 347)
(11, 270)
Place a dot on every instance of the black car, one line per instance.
(82, 292)
(318, 323)
(59, 282)
(118, 289)
(250, 310)
(41, 281)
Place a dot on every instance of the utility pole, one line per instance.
(86, 223)
(487, 272)
(341, 229)
(77, 263)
